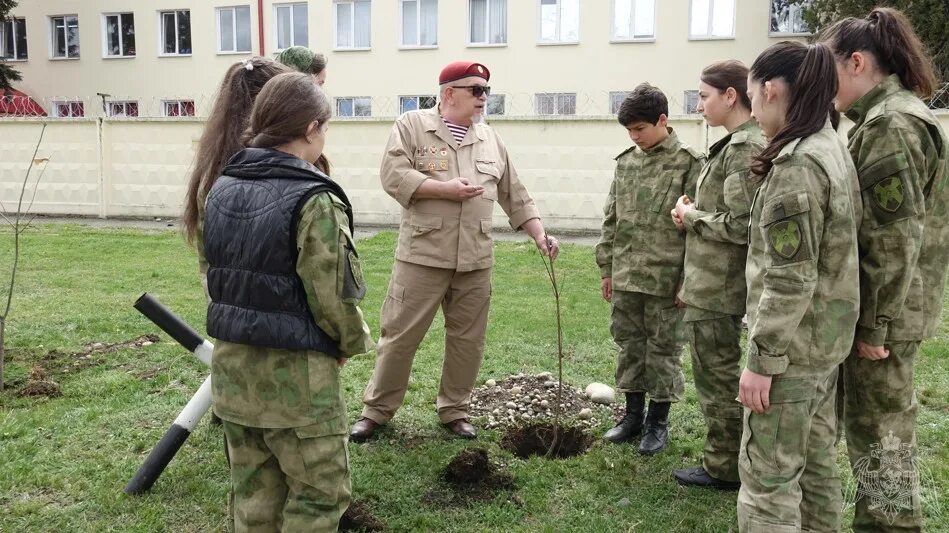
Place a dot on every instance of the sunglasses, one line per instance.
(476, 90)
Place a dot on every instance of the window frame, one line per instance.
(708, 36)
(52, 38)
(613, 94)
(105, 35)
(276, 21)
(217, 22)
(487, 105)
(487, 15)
(418, 102)
(179, 102)
(615, 39)
(54, 108)
(686, 95)
(540, 36)
(161, 33)
(339, 99)
(557, 96)
(12, 21)
(418, 27)
(125, 104)
(352, 30)
(778, 34)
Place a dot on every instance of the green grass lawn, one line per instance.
(65, 460)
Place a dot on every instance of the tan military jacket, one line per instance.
(803, 291)
(902, 156)
(445, 233)
(640, 247)
(716, 241)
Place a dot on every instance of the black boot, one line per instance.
(656, 435)
(632, 423)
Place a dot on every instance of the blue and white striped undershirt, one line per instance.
(458, 132)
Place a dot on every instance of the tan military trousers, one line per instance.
(291, 479)
(788, 462)
(881, 408)
(415, 294)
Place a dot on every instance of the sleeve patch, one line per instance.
(888, 194)
(785, 238)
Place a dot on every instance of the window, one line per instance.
(690, 102)
(357, 106)
(69, 109)
(616, 100)
(352, 24)
(233, 29)
(555, 103)
(177, 108)
(419, 22)
(487, 21)
(65, 36)
(712, 19)
(291, 21)
(787, 17)
(123, 109)
(634, 19)
(495, 104)
(411, 103)
(559, 21)
(13, 39)
(119, 29)
(175, 32)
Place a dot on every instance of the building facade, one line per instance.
(547, 57)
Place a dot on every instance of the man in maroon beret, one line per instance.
(447, 169)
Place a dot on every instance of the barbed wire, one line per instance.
(543, 105)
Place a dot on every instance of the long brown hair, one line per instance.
(889, 37)
(221, 138)
(728, 73)
(284, 109)
(811, 75)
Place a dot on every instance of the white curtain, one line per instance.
(363, 22)
(428, 26)
(410, 23)
(478, 13)
(344, 25)
(498, 21)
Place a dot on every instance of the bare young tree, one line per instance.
(18, 222)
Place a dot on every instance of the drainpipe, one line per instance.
(260, 25)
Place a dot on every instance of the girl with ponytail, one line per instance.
(803, 295)
(900, 152)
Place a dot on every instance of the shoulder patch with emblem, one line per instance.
(785, 238)
(888, 193)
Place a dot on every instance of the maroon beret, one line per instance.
(463, 69)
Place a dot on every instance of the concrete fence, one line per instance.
(139, 167)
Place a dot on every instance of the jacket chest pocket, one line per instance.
(488, 177)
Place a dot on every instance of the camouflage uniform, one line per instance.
(716, 245)
(642, 251)
(803, 298)
(901, 155)
(283, 410)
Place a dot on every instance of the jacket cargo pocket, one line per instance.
(488, 177)
(423, 223)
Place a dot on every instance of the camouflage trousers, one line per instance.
(881, 407)
(716, 369)
(787, 462)
(291, 479)
(648, 331)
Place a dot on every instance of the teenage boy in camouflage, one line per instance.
(640, 255)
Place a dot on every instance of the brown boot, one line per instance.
(462, 428)
(363, 430)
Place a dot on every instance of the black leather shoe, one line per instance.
(631, 426)
(698, 477)
(462, 428)
(363, 430)
(656, 436)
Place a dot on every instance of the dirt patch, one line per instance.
(470, 477)
(526, 399)
(536, 439)
(67, 362)
(358, 518)
(38, 384)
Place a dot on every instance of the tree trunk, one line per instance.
(3, 324)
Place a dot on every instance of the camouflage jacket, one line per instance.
(271, 388)
(716, 242)
(639, 246)
(901, 155)
(803, 292)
